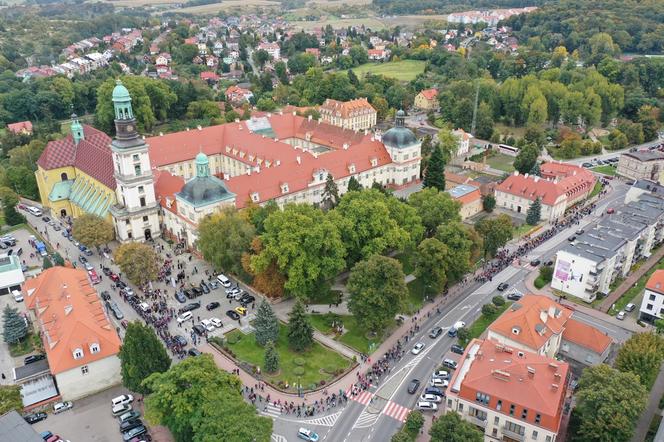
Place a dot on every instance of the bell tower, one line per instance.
(136, 214)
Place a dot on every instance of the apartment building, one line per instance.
(652, 305)
(642, 165)
(509, 394)
(355, 114)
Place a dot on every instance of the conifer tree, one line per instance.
(15, 327)
(353, 184)
(435, 173)
(534, 212)
(330, 196)
(300, 331)
(141, 355)
(266, 324)
(271, 361)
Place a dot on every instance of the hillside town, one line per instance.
(262, 226)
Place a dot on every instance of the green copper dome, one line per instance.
(201, 158)
(399, 136)
(120, 93)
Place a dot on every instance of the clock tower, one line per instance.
(136, 215)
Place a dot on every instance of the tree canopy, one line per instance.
(141, 354)
(198, 402)
(92, 230)
(377, 291)
(451, 428)
(138, 261)
(300, 331)
(642, 354)
(435, 208)
(10, 398)
(495, 232)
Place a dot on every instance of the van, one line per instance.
(224, 281)
(122, 400)
(35, 211)
(186, 316)
(18, 296)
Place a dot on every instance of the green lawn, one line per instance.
(407, 260)
(321, 363)
(355, 336)
(415, 298)
(326, 296)
(404, 70)
(606, 170)
(501, 161)
(636, 290)
(22, 348)
(596, 190)
(522, 230)
(477, 328)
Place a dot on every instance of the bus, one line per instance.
(508, 150)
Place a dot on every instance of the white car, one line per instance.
(621, 315)
(433, 398)
(427, 406)
(417, 348)
(459, 324)
(209, 326)
(440, 383)
(441, 374)
(62, 406)
(216, 322)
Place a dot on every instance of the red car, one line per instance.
(610, 210)
(124, 323)
(114, 277)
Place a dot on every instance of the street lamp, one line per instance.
(299, 387)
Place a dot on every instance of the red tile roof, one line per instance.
(586, 336)
(470, 197)
(523, 379)
(166, 186)
(531, 187)
(429, 94)
(656, 282)
(209, 75)
(92, 155)
(21, 126)
(237, 141)
(346, 108)
(70, 315)
(535, 318)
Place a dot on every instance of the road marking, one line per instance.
(366, 419)
(363, 397)
(396, 411)
(278, 438)
(325, 421)
(272, 410)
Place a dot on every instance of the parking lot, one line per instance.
(89, 420)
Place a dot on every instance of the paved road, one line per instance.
(613, 153)
(376, 421)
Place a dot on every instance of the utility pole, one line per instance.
(477, 98)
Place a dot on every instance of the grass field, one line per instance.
(501, 162)
(477, 328)
(355, 335)
(338, 23)
(634, 291)
(596, 190)
(404, 70)
(407, 260)
(224, 6)
(320, 363)
(606, 170)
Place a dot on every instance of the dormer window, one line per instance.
(94, 348)
(78, 353)
(374, 162)
(516, 330)
(284, 188)
(351, 168)
(255, 197)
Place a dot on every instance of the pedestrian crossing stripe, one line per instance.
(396, 411)
(271, 410)
(363, 397)
(278, 438)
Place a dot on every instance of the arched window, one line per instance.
(63, 176)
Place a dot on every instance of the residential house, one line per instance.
(20, 128)
(642, 165)
(80, 342)
(237, 95)
(427, 100)
(313, 51)
(271, 48)
(355, 114)
(470, 199)
(464, 141)
(378, 54)
(652, 304)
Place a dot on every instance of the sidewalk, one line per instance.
(652, 407)
(629, 282)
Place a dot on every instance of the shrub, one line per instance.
(322, 382)
(539, 282)
(489, 310)
(298, 371)
(298, 361)
(498, 301)
(234, 339)
(546, 273)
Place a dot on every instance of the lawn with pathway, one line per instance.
(605, 170)
(321, 364)
(355, 336)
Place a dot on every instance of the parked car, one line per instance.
(502, 286)
(189, 293)
(205, 288)
(185, 316)
(233, 315)
(449, 363)
(610, 210)
(535, 262)
(441, 374)
(431, 398)
(213, 305)
(134, 432)
(122, 399)
(427, 406)
(105, 295)
(621, 315)
(33, 358)
(45, 434)
(434, 390)
(131, 424)
(197, 292)
(456, 348)
(514, 296)
(630, 307)
(194, 352)
(207, 325)
(130, 415)
(241, 311)
(435, 332)
(417, 348)
(571, 238)
(199, 329)
(438, 382)
(33, 418)
(308, 435)
(413, 386)
(180, 297)
(180, 340)
(191, 306)
(62, 406)
(216, 322)
(247, 299)
(580, 232)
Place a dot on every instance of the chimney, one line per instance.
(299, 160)
(237, 120)
(346, 146)
(269, 114)
(294, 113)
(526, 175)
(366, 131)
(536, 178)
(319, 120)
(554, 387)
(531, 372)
(310, 117)
(249, 171)
(516, 173)
(278, 163)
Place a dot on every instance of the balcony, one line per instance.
(512, 435)
(477, 421)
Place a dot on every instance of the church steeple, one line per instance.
(202, 165)
(125, 123)
(76, 129)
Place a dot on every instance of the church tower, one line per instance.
(135, 215)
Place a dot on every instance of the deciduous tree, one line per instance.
(138, 261)
(10, 398)
(300, 331)
(526, 158)
(434, 208)
(377, 291)
(451, 428)
(266, 324)
(431, 264)
(461, 248)
(92, 230)
(141, 354)
(488, 203)
(198, 402)
(609, 403)
(224, 237)
(642, 354)
(495, 232)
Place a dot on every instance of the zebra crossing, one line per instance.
(366, 419)
(271, 410)
(364, 397)
(396, 411)
(278, 438)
